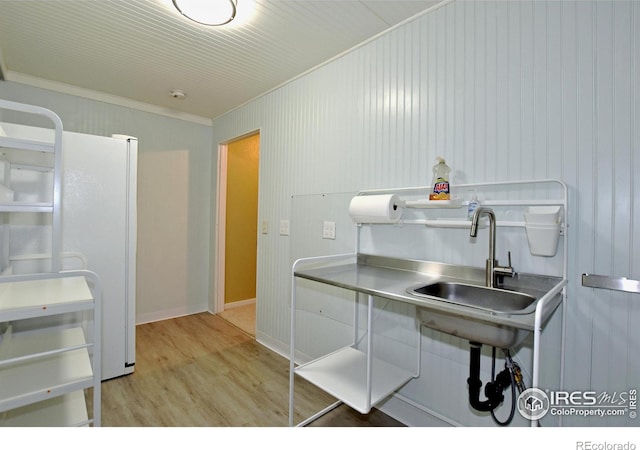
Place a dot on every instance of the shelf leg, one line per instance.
(369, 350)
(355, 319)
(319, 414)
(292, 348)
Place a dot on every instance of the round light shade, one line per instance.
(207, 12)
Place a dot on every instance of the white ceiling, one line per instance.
(142, 49)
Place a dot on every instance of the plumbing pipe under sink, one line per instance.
(511, 376)
(494, 396)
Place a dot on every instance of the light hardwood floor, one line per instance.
(244, 317)
(200, 370)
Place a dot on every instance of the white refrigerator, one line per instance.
(98, 229)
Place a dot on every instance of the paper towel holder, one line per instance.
(376, 209)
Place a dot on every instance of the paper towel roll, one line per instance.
(375, 208)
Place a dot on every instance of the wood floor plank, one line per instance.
(201, 371)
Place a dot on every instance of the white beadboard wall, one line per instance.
(505, 91)
(173, 195)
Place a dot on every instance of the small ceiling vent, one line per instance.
(178, 94)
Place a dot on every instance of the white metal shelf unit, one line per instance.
(25, 154)
(543, 192)
(50, 323)
(44, 373)
(534, 193)
(354, 376)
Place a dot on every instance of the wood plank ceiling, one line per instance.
(141, 50)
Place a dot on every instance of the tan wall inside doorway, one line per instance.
(241, 219)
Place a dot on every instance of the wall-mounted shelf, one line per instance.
(446, 223)
(434, 204)
(492, 195)
(510, 201)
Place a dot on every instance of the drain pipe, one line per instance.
(493, 391)
(510, 376)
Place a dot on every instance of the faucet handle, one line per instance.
(502, 271)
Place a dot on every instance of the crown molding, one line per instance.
(21, 78)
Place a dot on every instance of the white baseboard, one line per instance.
(172, 313)
(273, 344)
(412, 414)
(239, 303)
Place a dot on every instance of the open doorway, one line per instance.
(238, 231)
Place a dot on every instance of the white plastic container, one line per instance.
(542, 215)
(543, 239)
(542, 224)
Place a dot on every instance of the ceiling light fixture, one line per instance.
(209, 12)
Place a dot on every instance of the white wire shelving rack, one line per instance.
(50, 365)
(338, 373)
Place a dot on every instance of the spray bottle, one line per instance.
(473, 205)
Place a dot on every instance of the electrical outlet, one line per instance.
(329, 230)
(265, 227)
(284, 228)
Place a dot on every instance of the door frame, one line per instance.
(221, 228)
(221, 219)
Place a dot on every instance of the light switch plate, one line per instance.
(329, 230)
(284, 228)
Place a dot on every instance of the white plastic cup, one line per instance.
(542, 215)
(543, 239)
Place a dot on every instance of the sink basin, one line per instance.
(451, 298)
(498, 300)
(495, 301)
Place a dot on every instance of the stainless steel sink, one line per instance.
(497, 300)
(451, 298)
(493, 300)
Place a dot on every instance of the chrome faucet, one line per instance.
(494, 272)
